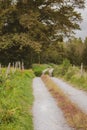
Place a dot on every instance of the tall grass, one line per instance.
(16, 101)
(72, 74)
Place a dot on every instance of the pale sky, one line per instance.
(83, 25)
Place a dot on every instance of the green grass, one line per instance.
(79, 82)
(38, 68)
(16, 101)
(73, 76)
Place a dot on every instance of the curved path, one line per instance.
(47, 115)
(79, 97)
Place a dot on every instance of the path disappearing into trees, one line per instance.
(47, 115)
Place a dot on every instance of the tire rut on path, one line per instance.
(77, 96)
(46, 114)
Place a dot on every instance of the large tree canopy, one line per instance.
(35, 23)
(43, 19)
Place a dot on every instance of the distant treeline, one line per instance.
(74, 50)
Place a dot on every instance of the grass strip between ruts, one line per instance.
(74, 116)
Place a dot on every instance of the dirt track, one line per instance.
(47, 115)
(79, 97)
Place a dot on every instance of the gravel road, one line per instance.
(79, 97)
(46, 114)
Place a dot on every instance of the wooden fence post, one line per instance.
(8, 69)
(81, 69)
(22, 65)
(16, 65)
(19, 65)
(0, 68)
(13, 67)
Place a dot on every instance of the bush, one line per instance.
(65, 66)
(38, 68)
(62, 69)
(38, 72)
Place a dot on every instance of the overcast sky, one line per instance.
(83, 32)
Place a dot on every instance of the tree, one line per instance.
(75, 49)
(37, 23)
(55, 53)
(63, 19)
(85, 52)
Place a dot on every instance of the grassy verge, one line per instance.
(16, 101)
(78, 81)
(72, 74)
(74, 116)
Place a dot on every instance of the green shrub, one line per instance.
(38, 72)
(65, 66)
(62, 69)
(38, 68)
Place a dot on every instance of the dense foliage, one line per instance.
(39, 68)
(31, 29)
